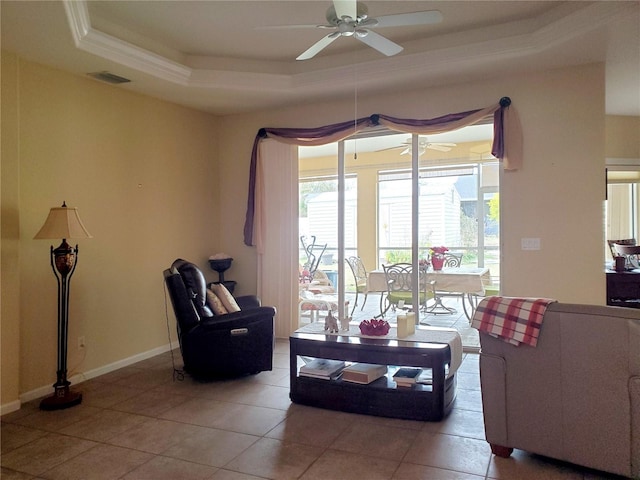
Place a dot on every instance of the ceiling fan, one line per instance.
(349, 18)
(423, 145)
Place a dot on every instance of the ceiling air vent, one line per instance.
(108, 78)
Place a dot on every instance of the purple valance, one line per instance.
(507, 144)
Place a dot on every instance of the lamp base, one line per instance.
(62, 398)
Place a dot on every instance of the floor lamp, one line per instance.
(62, 222)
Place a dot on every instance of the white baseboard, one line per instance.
(81, 377)
(10, 407)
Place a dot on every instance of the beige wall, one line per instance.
(557, 196)
(622, 137)
(10, 241)
(143, 174)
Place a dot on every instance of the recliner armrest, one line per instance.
(248, 301)
(229, 319)
(493, 375)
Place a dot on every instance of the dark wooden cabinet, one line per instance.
(623, 288)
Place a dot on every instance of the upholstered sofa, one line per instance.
(575, 396)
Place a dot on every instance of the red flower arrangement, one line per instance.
(440, 250)
(374, 327)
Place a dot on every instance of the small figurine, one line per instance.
(331, 323)
(344, 324)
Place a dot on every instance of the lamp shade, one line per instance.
(63, 222)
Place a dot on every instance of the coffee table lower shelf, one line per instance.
(381, 398)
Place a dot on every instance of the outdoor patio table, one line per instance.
(467, 280)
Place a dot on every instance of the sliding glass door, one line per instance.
(402, 194)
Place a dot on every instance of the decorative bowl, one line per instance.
(374, 327)
(220, 264)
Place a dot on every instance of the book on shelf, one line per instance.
(322, 368)
(363, 372)
(406, 377)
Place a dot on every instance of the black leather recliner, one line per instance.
(218, 345)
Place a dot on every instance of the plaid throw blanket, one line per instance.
(515, 320)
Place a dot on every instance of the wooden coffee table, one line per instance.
(434, 348)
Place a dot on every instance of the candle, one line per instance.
(406, 324)
(411, 323)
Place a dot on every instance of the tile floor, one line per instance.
(138, 423)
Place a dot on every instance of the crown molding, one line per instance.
(578, 22)
(90, 40)
(548, 32)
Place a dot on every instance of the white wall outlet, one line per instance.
(530, 244)
(81, 343)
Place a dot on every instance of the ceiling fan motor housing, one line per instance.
(362, 14)
(359, 27)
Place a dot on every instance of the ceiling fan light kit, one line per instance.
(350, 18)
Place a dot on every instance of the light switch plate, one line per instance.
(530, 244)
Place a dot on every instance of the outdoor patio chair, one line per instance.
(360, 277)
(399, 286)
(452, 260)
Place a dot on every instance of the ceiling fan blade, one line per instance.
(383, 45)
(388, 148)
(290, 27)
(431, 146)
(346, 8)
(317, 47)
(403, 19)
